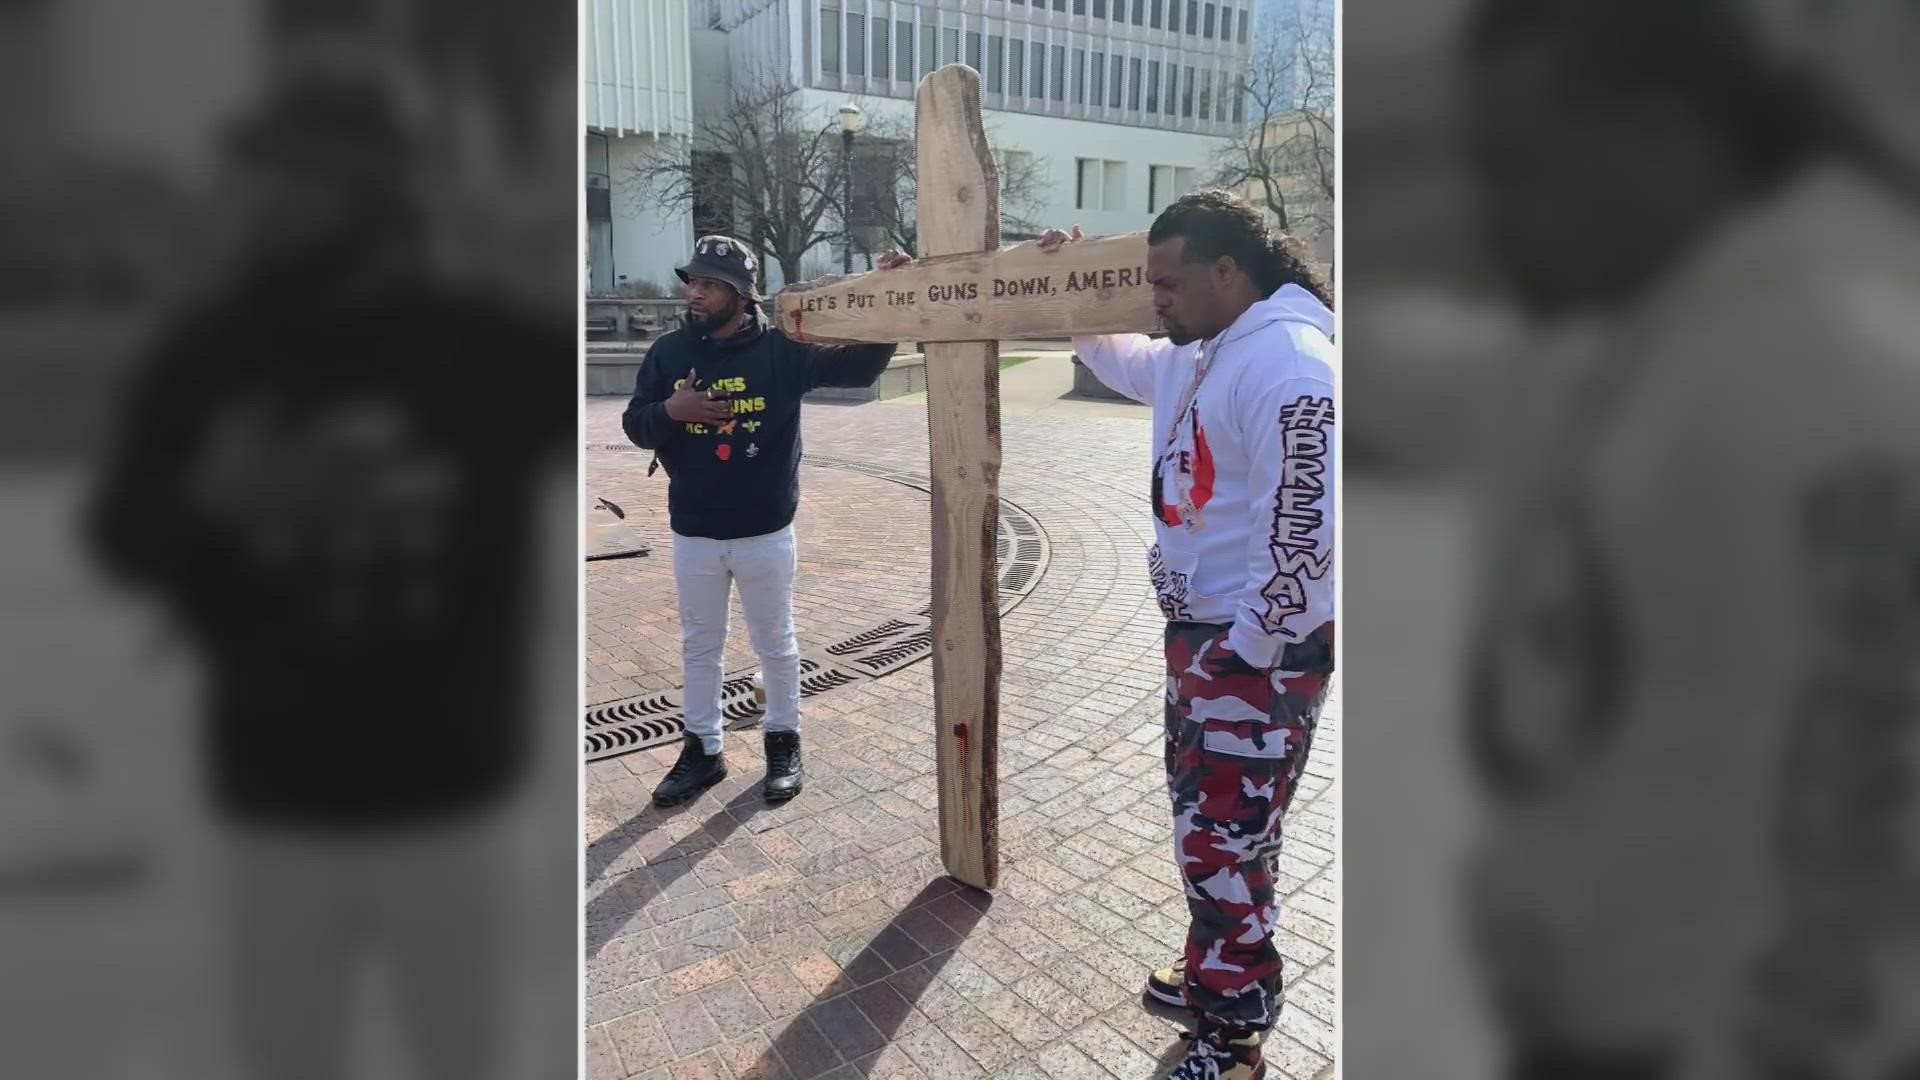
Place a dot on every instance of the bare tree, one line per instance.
(766, 169)
(1285, 154)
(772, 173)
(895, 220)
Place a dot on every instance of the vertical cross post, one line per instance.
(962, 297)
(959, 212)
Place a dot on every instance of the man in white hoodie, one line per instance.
(1243, 474)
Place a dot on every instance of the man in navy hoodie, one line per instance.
(718, 402)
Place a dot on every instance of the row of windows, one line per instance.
(1102, 185)
(1030, 70)
(1216, 22)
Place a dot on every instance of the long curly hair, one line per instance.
(1219, 223)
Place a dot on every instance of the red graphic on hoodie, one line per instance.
(723, 451)
(1197, 464)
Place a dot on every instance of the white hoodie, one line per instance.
(1244, 477)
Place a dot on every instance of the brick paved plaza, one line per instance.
(729, 939)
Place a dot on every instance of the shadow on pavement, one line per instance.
(863, 1010)
(610, 912)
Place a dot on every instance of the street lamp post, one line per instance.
(851, 121)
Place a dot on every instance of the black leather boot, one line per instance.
(783, 765)
(695, 772)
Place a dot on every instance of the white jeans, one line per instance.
(704, 571)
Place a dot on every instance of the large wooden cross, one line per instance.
(962, 298)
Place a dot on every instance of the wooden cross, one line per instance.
(962, 298)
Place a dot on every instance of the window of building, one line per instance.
(1139, 12)
(1079, 7)
(1099, 73)
(1059, 5)
(1059, 73)
(1153, 86)
(1243, 26)
(1154, 15)
(1186, 96)
(929, 41)
(830, 41)
(599, 163)
(710, 214)
(1239, 101)
(996, 63)
(1118, 83)
(1013, 163)
(1133, 84)
(1207, 27)
(973, 50)
(952, 51)
(1099, 9)
(1016, 69)
(876, 199)
(1037, 66)
(903, 51)
(1173, 15)
(856, 44)
(1193, 16)
(1079, 76)
(1206, 96)
(881, 31)
(1159, 188)
(1099, 185)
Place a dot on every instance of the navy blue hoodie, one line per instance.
(741, 478)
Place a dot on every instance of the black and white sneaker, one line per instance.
(695, 772)
(784, 772)
(1220, 1053)
(1168, 986)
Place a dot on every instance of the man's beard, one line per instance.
(1180, 335)
(717, 319)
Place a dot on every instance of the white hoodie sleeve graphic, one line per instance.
(1125, 362)
(1289, 428)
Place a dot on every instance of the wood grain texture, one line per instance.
(959, 212)
(1092, 287)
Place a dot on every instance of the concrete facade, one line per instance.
(1122, 105)
(639, 95)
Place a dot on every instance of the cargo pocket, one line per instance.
(1234, 704)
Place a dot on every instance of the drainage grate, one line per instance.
(612, 742)
(867, 639)
(1017, 579)
(827, 679)
(642, 723)
(889, 658)
(633, 710)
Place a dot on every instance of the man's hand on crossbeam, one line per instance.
(1052, 239)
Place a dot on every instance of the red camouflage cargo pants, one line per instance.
(1237, 740)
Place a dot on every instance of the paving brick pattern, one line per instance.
(849, 528)
(730, 939)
